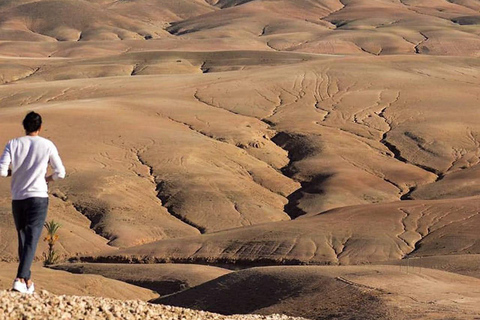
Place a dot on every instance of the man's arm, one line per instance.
(57, 165)
(5, 161)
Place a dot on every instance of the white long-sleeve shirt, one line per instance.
(29, 157)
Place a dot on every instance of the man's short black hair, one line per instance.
(32, 122)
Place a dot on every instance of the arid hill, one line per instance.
(359, 292)
(251, 132)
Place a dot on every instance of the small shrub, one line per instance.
(51, 257)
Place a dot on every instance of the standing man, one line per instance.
(29, 157)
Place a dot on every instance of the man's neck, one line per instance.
(33, 134)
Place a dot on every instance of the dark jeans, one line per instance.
(29, 216)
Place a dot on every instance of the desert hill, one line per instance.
(363, 292)
(322, 26)
(299, 145)
(247, 133)
(162, 278)
(351, 235)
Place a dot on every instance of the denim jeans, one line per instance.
(29, 215)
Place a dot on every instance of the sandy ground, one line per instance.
(374, 292)
(466, 264)
(61, 282)
(251, 132)
(161, 278)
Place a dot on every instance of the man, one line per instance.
(29, 157)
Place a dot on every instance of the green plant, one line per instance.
(51, 257)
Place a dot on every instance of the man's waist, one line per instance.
(23, 196)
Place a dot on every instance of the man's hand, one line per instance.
(49, 179)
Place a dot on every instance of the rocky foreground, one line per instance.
(44, 305)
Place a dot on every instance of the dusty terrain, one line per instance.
(352, 292)
(243, 133)
(60, 282)
(161, 278)
(47, 306)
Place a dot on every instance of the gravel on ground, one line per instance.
(44, 305)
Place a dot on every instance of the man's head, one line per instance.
(32, 122)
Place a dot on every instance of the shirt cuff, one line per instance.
(58, 175)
